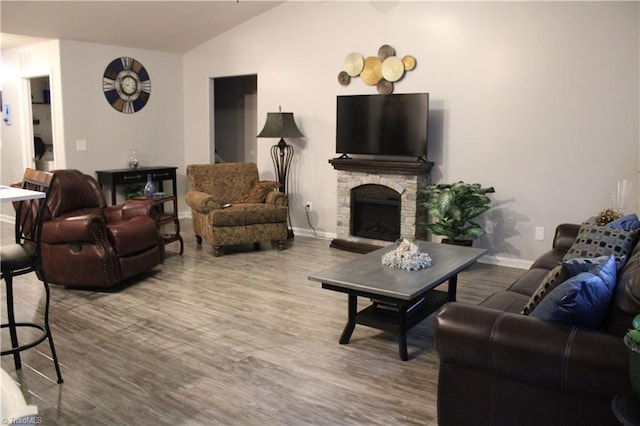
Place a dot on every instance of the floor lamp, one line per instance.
(281, 125)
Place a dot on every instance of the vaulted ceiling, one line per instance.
(169, 26)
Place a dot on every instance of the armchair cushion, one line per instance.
(258, 192)
(248, 214)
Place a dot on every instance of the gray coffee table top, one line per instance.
(368, 274)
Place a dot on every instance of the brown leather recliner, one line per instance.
(86, 243)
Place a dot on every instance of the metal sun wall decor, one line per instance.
(381, 71)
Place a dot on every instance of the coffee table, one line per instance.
(400, 299)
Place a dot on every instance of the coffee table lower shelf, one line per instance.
(388, 314)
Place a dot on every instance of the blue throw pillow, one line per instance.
(582, 300)
(572, 267)
(628, 222)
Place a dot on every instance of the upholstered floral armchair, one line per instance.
(230, 205)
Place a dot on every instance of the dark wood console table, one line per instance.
(116, 177)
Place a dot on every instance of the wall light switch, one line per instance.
(6, 112)
(539, 233)
(81, 145)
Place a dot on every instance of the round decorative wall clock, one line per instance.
(126, 85)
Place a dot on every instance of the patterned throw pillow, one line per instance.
(595, 241)
(592, 241)
(258, 192)
(551, 281)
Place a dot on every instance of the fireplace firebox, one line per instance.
(375, 212)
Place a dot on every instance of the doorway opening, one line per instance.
(42, 150)
(234, 119)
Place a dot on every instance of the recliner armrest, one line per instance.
(201, 201)
(75, 229)
(528, 350)
(131, 209)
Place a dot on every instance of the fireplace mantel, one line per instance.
(381, 166)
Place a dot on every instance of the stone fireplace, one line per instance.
(378, 202)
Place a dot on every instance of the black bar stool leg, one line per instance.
(47, 328)
(12, 321)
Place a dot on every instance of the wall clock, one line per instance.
(126, 85)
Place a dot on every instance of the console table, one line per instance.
(116, 177)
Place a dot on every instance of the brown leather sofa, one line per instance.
(86, 243)
(498, 367)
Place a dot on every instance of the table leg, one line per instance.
(453, 284)
(402, 339)
(351, 323)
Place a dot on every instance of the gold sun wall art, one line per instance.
(381, 71)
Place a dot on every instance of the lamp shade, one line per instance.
(280, 125)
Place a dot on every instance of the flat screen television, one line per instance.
(393, 125)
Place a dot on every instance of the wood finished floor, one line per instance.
(243, 339)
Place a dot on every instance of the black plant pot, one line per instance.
(466, 243)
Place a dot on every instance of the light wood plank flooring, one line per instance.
(242, 339)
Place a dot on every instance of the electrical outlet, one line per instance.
(539, 233)
(489, 226)
(308, 206)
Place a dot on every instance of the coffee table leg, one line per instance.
(453, 284)
(402, 339)
(351, 323)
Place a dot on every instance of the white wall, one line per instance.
(16, 150)
(538, 99)
(156, 130)
(81, 111)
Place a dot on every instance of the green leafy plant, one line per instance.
(632, 338)
(453, 207)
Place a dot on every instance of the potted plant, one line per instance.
(632, 340)
(453, 207)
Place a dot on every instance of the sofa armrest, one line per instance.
(75, 229)
(277, 198)
(565, 236)
(528, 350)
(202, 202)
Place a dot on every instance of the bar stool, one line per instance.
(24, 257)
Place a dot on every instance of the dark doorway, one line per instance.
(234, 119)
(375, 212)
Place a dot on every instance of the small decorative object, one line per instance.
(134, 162)
(607, 215)
(454, 206)
(632, 340)
(149, 188)
(406, 256)
(126, 85)
(344, 78)
(353, 64)
(619, 198)
(380, 71)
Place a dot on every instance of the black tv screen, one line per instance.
(394, 125)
